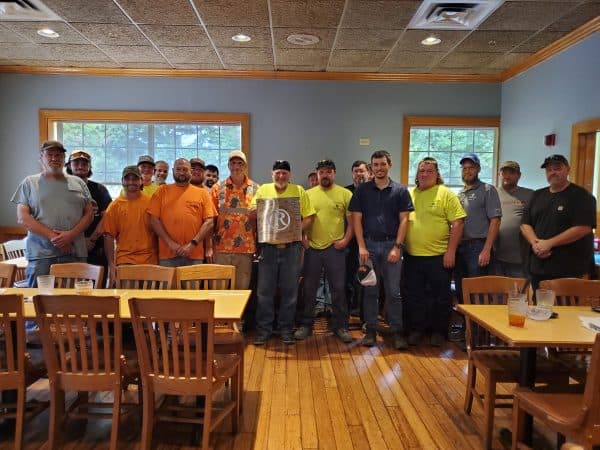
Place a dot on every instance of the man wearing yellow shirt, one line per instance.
(327, 241)
(284, 213)
(434, 232)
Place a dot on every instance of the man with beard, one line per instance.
(327, 241)
(558, 225)
(182, 216)
(482, 205)
(161, 172)
(80, 165)
(279, 265)
(198, 171)
(380, 213)
(211, 176)
(55, 209)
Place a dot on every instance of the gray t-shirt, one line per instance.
(508, 245)
(481, 203)
(58, 204)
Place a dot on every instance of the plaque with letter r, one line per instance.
(279, 220)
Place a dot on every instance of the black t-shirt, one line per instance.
(100, 194)
(550, 214)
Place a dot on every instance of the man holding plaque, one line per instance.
(283, 212)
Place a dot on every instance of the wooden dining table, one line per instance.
(564, 331)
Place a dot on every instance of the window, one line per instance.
(447, 139)
(116, 139)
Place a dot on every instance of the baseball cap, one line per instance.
(197, 162)
(471, 157)
(145, 159)
(326, 163)
(79, 154)
(366, 275)
(237, 154)
(53, 144)
(281, 164)
(559, 159)
(131, 170)
(510, 165)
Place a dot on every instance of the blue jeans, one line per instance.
(278, 267)
(467, 263)
(179, 261)
(36, 267)
(333, 261)
(389, 274)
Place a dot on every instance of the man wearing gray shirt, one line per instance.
(56, 209)
(514, 199)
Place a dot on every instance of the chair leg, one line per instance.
(241, 377)
(206, 427)
(57, 410)
(116, 418)
(489, 403)
(147, 419)
(471, 379)
(20, 416)
(236, 397)
(517, 425)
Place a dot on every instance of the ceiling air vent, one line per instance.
(33, 10)
(453, 14)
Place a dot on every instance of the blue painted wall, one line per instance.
(546, 99)
(303, 121)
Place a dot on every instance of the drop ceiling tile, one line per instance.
(341, 58)
(300, 68)
(221, 36)
(306, 13)
(96, 64)
(372, 39)
(23, 51)
(382, 14)
(246, 56)
(261, 67)
(98, 11)
(197, 66)
(412, 59)
(508, 60)
(176, 35)
(7, 35)
(492, 41)
(133, 53)
(144, 65)
(302, 57)
(229, 13)
(539, 41)
(112, 33)
(411, 40)
(359, 69)
(167, 12)
(325, 35)
(29, 62)
(525, 15)
(29, 29)
(74, 52)
(188, 55)
(576, 17)
(397, 70)
(466, 71)
(466, 60)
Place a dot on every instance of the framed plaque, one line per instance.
(278, 220)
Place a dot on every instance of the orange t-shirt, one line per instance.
(182, 211)
(129, 224)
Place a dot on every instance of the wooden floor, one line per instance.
(322, 394)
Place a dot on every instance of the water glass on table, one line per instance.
(45, 284)
(84, 287)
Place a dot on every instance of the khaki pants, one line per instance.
(243, 267)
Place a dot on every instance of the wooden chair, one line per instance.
(67, 274)
(574, 415)
(491, 357)
(7, 275)
(14, 249)
(205, 276)
(145, 276)
(574, 291)
(81, 355)
(179, 359)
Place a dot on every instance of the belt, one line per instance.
(381, 238)
(280, 246)
(466, 241)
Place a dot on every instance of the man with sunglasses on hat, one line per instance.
(558, 225)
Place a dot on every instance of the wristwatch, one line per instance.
(194, 242)
(399, 245)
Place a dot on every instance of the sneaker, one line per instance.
(400, 342)
(261, 338)
(415, 337)
(287, 337)
(343, 335)
(370, 338)
(302, 333)
(437, 340)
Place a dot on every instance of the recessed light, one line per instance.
(302, 39)
(431, 40)
(48, 32)
(241, 38)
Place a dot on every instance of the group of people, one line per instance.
(413, 241)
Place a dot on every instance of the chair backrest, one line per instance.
(67, 274)
(14, 249)
(205, 276)
(574, 291)
(7, 275)
(145, 276)
(12, 341)
(174, 341)
(81, 335)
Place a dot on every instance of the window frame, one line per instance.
(445, 121)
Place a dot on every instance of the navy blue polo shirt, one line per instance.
(381, 208)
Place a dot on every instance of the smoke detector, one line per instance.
(26, 10)
(453, 14)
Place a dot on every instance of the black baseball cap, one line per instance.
(559, 159)
(326, 163)
(53, 144)
(281, 164)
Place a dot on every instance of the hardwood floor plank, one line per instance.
(293, 433)
(276, 435)
(322, 411)
(338, 419)
(307, 408)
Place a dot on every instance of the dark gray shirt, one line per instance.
(509, 243)
(481, 203)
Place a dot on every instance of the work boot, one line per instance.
(370, 338)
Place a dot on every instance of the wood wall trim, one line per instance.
(556, 47)
(437, 121)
